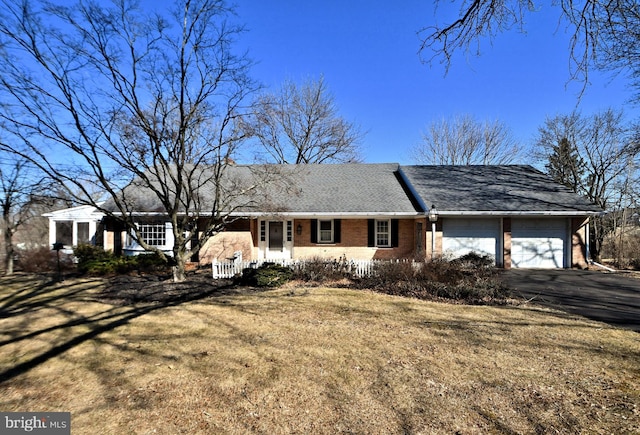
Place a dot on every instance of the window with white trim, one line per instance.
(325, 231)
(383, 233)
(153, 234)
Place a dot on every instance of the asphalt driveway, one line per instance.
(613, 298)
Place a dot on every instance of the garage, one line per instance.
(461, 236)
(538, 243)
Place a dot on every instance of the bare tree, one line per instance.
(606, 156)
(300, 124)
(604, 34)
(103, 97)
(21, 191)
(466, 141)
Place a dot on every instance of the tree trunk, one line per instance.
(179, 270)
(8, 252)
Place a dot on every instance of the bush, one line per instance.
(43, 259)
(94, 260)
(267, 275)
(319, 269)
(471, 279)
(150, 262)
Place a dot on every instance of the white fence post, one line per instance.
(229, 269)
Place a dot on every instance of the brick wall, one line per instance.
(506, 243)
(223, 245)
(579, 242)
(353, 241)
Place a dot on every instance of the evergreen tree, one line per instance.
(565, 165)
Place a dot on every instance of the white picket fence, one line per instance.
(231, 268)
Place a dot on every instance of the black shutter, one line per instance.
(314, 231)
(394, 233)
(371, 233)
(336, 231)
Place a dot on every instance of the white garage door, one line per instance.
(461, 236)
(538, 243)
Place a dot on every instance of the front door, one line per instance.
(275, 236)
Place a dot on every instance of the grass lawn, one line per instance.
(310, 360)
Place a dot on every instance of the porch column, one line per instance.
(52, 233)
(93, 236)
(74, 233)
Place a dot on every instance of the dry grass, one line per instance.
(310, 360)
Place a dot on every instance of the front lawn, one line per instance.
(307, 360)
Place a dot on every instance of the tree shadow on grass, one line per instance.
(127, 298)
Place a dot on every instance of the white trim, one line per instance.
(81, 212)
(375, 241)
(576, 213)
(131, 247)
(263, 245)
(299, 215)
(332, 229)
(375, 215)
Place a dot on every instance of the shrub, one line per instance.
(267, 275)
(321, 269)
(474, 260)
(471, 279)
(150, 262)
(85, 253)
(43, 259)
(94, 260)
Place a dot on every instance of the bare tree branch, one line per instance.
(104, 96)
(604, 34)
(300, 124)
(606, 155)
(465, 141)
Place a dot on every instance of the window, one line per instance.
(263, 231)
(383, 233)
(83, 233)
(325, 229)
(64, 232)
(153, 234)
(289, 231)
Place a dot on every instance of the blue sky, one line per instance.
(368, 54)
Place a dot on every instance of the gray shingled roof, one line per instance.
(498, 188)
(329, 189)
(350, 188)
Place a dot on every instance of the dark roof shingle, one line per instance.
(493, 188)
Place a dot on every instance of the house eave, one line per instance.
(449, 213)
(298, 215)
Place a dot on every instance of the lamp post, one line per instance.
(57, 246)
(433, 218)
